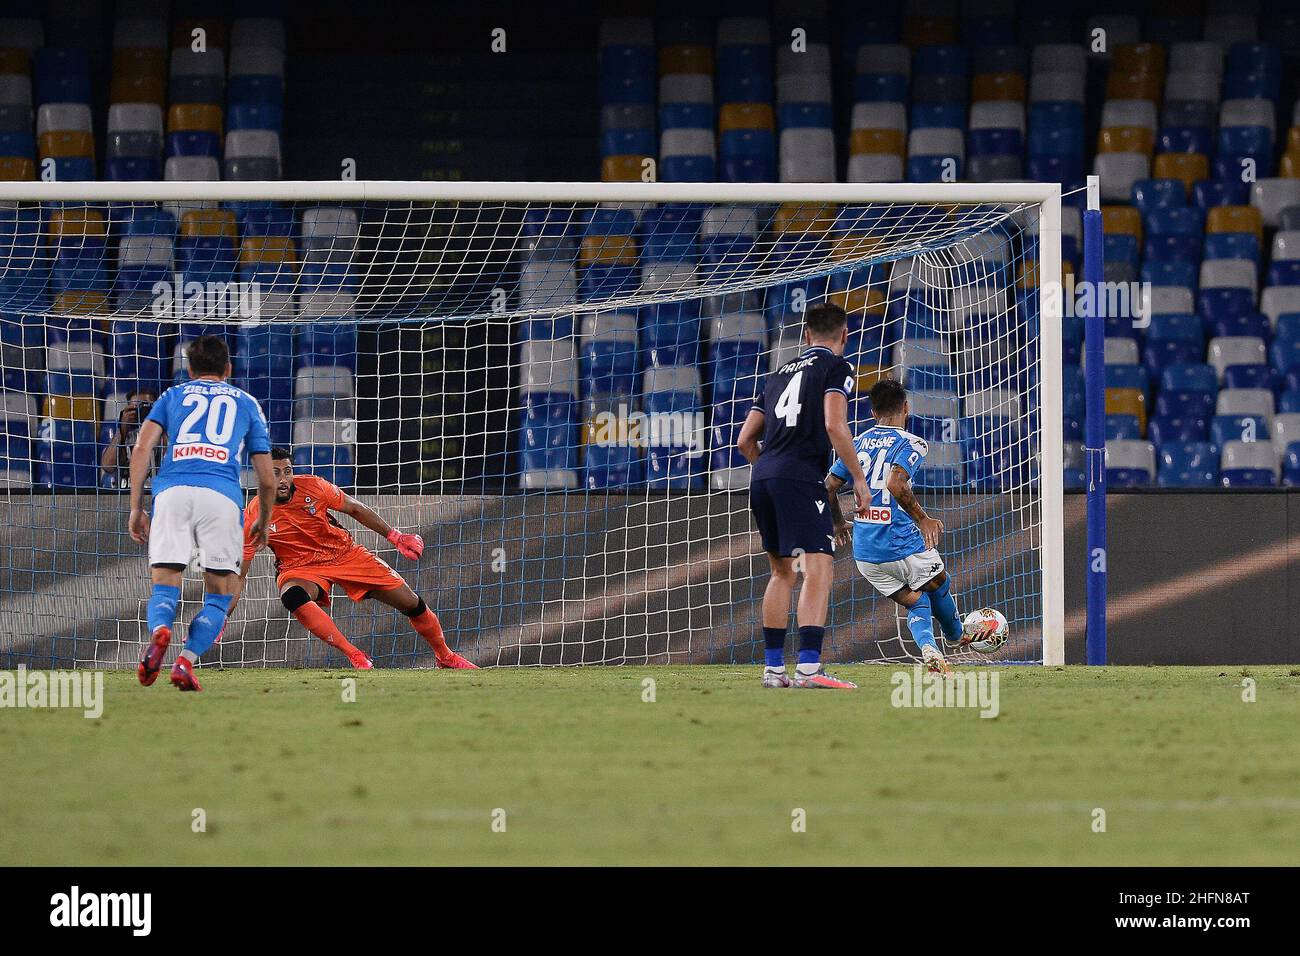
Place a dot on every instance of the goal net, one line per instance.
(545, 381)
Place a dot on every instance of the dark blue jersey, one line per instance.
(795, 443)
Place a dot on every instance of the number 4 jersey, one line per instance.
(795, 443)
(208, 426)
(886, 532)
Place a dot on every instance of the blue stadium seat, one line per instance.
(1180, 272)
(549, 432)
(332, 462)
(613, 466)
(1178, 428)
(1123, 426)
(1152, 194)
(1207, 193)
(1252, 376)
(1247, 478)
(1243, 323)
(670, 334)
(1291, 465)
(1188, 464)
(66, 454)
(1225, 428)
(328, 343)
(1173, 233)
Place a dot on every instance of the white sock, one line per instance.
(190, 656)
(807, 669)
(774, 670)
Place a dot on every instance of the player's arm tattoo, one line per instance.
(900, 486)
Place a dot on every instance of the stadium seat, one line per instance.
(1188, 464)
(1248, 464)
(1129, 463)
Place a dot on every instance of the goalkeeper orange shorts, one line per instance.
(357, 572)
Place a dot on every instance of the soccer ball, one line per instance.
(975, 623)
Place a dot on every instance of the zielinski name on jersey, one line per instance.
(200, 452)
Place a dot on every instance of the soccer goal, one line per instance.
(543, 379)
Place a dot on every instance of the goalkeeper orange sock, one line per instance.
(428, 627)
(312, 617)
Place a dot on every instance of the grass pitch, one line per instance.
(418, 768)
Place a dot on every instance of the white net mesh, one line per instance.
(547, 391)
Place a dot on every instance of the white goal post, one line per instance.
(542, 378)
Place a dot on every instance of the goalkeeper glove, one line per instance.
(408, 545)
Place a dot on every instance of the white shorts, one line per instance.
(913, 571)
(186, 517)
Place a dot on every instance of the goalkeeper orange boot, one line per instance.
(151, 663)
(361, 662)
(183, 675)
(822, 679)
(454, 661)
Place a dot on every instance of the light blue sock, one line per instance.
(162, 606)
(207, 624)
(920, 624)
(945, 609)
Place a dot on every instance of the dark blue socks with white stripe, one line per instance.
(920, 623)
(162, 606)
(207, 624)
(774, 647)
(810, 648)
(945, 609)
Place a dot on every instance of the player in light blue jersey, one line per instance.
(894, 540)
(197, 500)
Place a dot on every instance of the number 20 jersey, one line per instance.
(208, 425)
(795, 443)
(886, 532)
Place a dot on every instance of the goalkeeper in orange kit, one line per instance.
(313, 553)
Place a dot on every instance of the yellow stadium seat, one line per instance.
(608, 251)
(16, 169)
(66, 143)
(892, 142)
(1235, 219)
(1122, 221)
(77, 409)
(77, 221)
(858, 302)
(686, 58)
(1133, 86)
(998, 86)
(139, 61)
(209, 222)
(1126, 139)
(1188, 167)
(622, 169)
(1127, 401)
(918, 31)
(1138, 58)
(1293, 140)
(139, 89)
(196, 117)
(1290, 166)
(746, 116)
(854, 245)
(804, 217)
(80, 303)
(15, 60)
(867, 376)
(263, 249)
